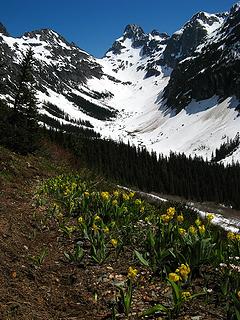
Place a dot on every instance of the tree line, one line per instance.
(187, 177)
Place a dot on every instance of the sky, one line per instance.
(94, 24)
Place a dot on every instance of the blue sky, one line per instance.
(94, 24)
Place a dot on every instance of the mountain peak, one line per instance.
(136, 34)
(206, 20)
(49, 36)
(43, 33)
(132, 31)
(3, 30)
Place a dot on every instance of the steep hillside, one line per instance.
(214, 69)
(73, 244)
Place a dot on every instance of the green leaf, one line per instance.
(141, 259)
(195, 295)
(155, 309)
(151, 239)
(67, 255)
(79, 253)
(176, 292)
(236, 305)
(237, 313)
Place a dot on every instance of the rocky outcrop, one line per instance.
(3, 30)
(183, 43)
(59, 65)
(213, 69)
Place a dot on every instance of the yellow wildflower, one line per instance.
(173, 277)
(59, 216)
(95, 228)
(96, 217)
(210, 217)
(114, 242)
(202, 229)
(142, 209)
(116, 194)
(165, 218)
(237, 236)
(186, 295)
(105, 195)
(171, 211)
(131, 195)
(231, 235)
(182, 231)
(80, 220)
(114, 202)
(125, 197)
(138, 202)
(86, 194)
(55, 206)
(180, 218)
(198, 222)
(70, 229)
(67, 191)
(132, 273)
(106, 230)
(74, 185)
(184, 270)
(192, 229)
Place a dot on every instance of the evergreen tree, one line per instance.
(25, 114)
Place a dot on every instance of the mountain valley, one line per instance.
(175, 93)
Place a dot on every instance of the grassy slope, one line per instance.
(56, 289)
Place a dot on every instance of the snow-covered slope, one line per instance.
(178, 92)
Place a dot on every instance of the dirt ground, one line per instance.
(55, 289)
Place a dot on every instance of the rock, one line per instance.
(3, 30)
(213, 70)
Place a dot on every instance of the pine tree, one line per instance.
(25, 113)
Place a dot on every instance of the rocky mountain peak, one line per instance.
(136, 34)
(213, 69)
(3, 30)
(133, 31)
(205, 18)
(46, 35)
(184, 41)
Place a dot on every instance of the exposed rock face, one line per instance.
(136, 34)
(213, 69)
(3, 30)
(59, 64)
(184, 42)
(150, 43)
